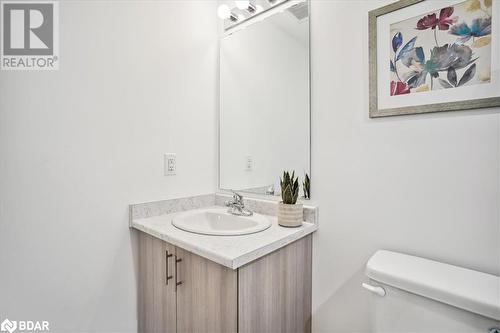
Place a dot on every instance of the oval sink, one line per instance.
(217, 221)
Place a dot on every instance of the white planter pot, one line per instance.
(290, 215)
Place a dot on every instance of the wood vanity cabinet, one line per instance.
(182, 292)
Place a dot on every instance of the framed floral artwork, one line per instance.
(434, 55)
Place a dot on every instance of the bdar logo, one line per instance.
(8, 326)
(24, 326)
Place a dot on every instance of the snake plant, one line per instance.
(289, 188)
(306, 186)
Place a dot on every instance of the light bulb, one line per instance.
(242, 4)
(223, 11)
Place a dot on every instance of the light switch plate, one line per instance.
(248, 163)
(170, 164)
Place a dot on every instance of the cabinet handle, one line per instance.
(168, 277)
(177, 282)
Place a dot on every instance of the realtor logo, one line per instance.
(8, 326)
(29, 35)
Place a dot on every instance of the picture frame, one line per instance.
(444, 29)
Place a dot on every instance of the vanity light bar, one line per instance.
(247, 8)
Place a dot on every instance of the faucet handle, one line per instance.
(238, 198)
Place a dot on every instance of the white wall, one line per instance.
(426, 185)
(78, 145)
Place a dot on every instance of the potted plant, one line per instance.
(290, 213)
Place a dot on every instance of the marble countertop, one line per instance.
(229, 251)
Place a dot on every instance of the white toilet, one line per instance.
(412, 294)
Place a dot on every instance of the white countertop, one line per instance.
(229, 251)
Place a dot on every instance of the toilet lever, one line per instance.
(377, 290)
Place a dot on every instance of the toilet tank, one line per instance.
(413, 294)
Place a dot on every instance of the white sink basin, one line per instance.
(217, 221)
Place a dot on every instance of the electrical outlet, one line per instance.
(248, 163)
(170, 164)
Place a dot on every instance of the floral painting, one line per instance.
(445, 49)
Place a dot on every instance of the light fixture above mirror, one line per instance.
(234, 12)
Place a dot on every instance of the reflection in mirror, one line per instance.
(264, 110)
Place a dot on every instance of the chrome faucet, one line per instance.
(237, 206)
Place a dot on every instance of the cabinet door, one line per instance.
(275, 291)
(156, 293)
(206, 295)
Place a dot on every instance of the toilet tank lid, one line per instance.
(463, 288)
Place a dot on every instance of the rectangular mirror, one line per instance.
(265, 100)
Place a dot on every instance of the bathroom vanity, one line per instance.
(189, 282)
(197, 278)
(182, 292)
